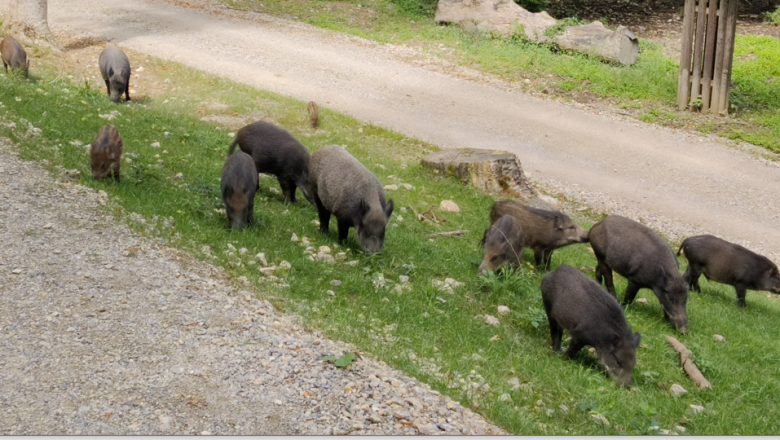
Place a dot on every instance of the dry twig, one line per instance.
(448, 234)
(686, 359)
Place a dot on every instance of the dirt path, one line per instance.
(642, 170)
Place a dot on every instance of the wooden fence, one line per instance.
(709, 27)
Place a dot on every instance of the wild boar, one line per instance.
(543, 231)
(13, 55)
(577, 304)
(503, 243)
(342, 186)
(106, 153)
(728, 263)
(275, 151)
(115, 70)
(239, 184)
(645, 259)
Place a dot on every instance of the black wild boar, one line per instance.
(239, 184)
(591, 316)
(503, 244)
(342, 186)
(543, 231)
(106, 153)
(115, 70)
(275, 151)
(645, 259)
(728, 263)
(14, 55)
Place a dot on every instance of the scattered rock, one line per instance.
(505, 398)
(391, 187)
(697, 408)
(294, 237)
(261, 257)
(449, 206)
(719, 338)
(408, 187)
(503, 310)
(335, 283)
(268, 271)
(491, 320)
(155, 144)
(514, 382)
(641, 300)
(677, 390)
(564, 408)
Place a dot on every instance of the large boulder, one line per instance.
(621, 46)
(497, 16)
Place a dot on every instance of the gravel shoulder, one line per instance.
(683, 180)
(106, 332)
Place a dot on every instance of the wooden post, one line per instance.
(707, 55)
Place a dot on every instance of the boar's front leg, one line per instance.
(343, 230)
(324, 216)
(574, 347)
(741, 292)
(631, 291)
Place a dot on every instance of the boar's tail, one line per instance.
(681, 248)
(233, 147)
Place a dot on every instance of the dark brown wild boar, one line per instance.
(342, 186)
(115, 70)
(106, 153)
(13, 55)
(239, 185)
(728, 263)
(577, 304)
(645, 259)
(543, 231)
(275, 151)
(503, 244)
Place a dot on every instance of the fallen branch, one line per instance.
(686, 359)
(418, 216)
(448, 234)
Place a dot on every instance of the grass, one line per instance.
(516, 381)
(651, 83)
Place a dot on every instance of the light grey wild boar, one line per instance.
(503, 244)
(342, 186)
(645, 259)
(728, 263)
(543, 231)
(106, 153)
(115, 70)
(239, 184)
(579, 305)
(13, 55)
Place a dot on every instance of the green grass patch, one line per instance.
(652, 80)
(507, 373)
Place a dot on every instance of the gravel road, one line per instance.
(685, 181)
(106, 332)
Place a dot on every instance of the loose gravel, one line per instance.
(107, 332)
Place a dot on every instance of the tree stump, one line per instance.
(621, 46)
(493, 171)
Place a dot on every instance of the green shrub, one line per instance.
(774, 17)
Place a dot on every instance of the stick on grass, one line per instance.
(686, 359)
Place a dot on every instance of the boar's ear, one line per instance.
(637, 339)
(388, 209)
(110, 72)
(558, 223)
(363, 207)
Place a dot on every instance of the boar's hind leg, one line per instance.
(605, 272)
(631, 291)
(127, 90)
(556, 333)
(288, 189)
(538, 256)
(324, 216)
(108, 88)
(547, 256)
(741, 292)
(343, 230)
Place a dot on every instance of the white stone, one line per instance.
(677, 390)
(331, 293)
(48, 226)
(261, 257)
(642, 300)
(492, 320)
(335, 283)
(503, 310)
(352, 263)
(325, 249)
(718, 338)
(505, 398)
(294, 237)
(564, 408)
(155, 145)
(697, 408)
(391, 187)
(399, 218)
(243, 251)
(408, 187)
(449, 206)
(403, 278)
(285, 266)
(267, 271)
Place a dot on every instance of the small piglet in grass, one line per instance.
(13, 55)
(728, 263)
(106, 153)
(344, 187)
(275, 151)
(579, 305)
(646, 260)
(543, 231)
(503, 244)
(239, 184)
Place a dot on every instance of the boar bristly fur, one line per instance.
(728, 263)
(343, 187)
(115, 70)
(647, 261)
(577, 304)
(503, 244)
(13, 55)
(543, 231)
(275, 151)
(239, 184)
(106, 153)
